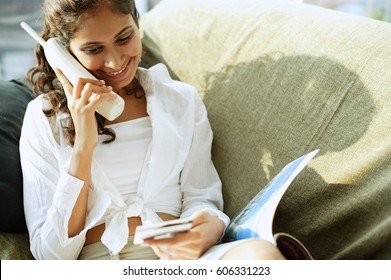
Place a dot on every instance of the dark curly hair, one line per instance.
(61, 20)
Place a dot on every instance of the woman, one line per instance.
(89, 182)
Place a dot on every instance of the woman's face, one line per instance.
(108, 44)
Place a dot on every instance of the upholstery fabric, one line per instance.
(14, 243)
(280, 79)
(14, 98)
(15, 246)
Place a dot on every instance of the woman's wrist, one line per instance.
(84, 146)
(219, 228)
(81, 162)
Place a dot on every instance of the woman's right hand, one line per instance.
(83, 99)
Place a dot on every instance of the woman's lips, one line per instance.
(119, 73)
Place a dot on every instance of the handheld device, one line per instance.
(58, 57)
(164, 229)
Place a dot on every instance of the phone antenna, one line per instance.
(33, 34)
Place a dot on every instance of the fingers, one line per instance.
(172, 253)
(64, 82)
(200, 217)
(84, 88)
(205, 232)
(177, 238)
(164, 253)
(87, 93)
(92, 95)
(181, 246)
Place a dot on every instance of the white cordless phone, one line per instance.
(58, 57)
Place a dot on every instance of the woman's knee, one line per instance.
(254, 249)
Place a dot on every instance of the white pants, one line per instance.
(98, 251)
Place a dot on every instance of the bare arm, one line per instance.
(82, 105)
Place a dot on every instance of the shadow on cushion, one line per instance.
(266, 112)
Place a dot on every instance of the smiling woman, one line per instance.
(15, 45)
(108, 44)
(89, 182)
(104, 38)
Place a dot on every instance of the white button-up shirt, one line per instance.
(179, 154)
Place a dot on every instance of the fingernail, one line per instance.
(109, 88)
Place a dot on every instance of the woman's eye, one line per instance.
(123, 40)
(93, 50)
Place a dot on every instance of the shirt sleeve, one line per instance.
(201, 185)
(50, 193)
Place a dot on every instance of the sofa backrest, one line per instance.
(14, 241)
(14, 97)
(280, 79)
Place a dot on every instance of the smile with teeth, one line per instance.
(119, 73)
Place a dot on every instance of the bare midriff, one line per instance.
(94, 234)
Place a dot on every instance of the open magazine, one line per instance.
(256, 218)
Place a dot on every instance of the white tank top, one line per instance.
(122, 160)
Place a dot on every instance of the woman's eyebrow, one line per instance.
(117, 35)
(123, 30)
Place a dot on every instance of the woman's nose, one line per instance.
(114, 59)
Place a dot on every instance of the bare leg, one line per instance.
(254, 249)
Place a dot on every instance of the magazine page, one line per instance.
(256, 219)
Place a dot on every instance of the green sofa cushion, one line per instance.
(14, 97)
(14, 240)
(15, 246)
(280, 79)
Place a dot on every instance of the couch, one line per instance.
(279, 79)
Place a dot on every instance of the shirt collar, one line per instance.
(147, 77)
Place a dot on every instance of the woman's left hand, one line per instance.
(205, 232)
